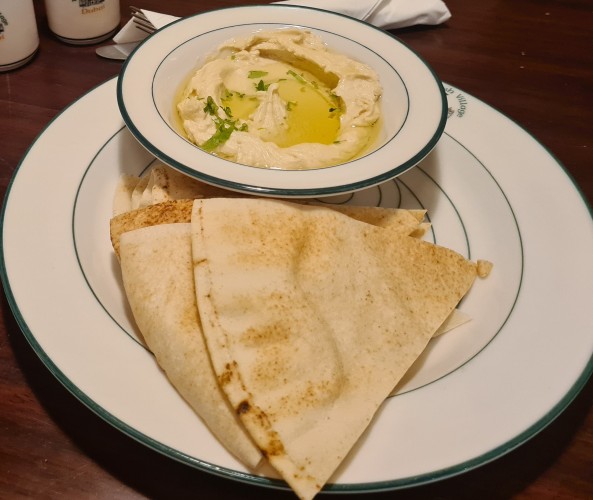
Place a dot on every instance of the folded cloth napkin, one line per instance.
(386, 14)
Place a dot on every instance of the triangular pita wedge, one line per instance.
(162, 183)
(157, 273)
(169, 184)
(311, 318)
(150, 260)
(378, 216)
(175, 211)
(398, 219)
(168, 212)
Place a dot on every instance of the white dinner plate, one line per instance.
(492, 192)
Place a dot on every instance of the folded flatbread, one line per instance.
(156, 265)
(310, 319)
(161, 183)
(169, 212)
(179, 210)
(154, 247)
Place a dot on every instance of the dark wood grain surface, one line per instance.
(530, 59)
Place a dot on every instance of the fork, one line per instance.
(140, 20)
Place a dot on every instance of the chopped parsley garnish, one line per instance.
(256, 74)
(224, 127)
(296, 76)
(211, 107)
(261, 85)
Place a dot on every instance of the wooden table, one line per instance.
(530, 59)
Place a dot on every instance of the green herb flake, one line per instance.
(224, 127)
(261, 86)
(211, 107)
(296, 76)
(256, 74)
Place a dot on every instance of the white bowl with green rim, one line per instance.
(413, 101)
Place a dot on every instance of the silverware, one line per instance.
(141, 21)
(118, 51)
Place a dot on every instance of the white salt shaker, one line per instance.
(83, 22)
(19, 39)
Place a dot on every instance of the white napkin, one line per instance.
(130, 33)
(386, 14)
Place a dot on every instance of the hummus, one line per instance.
(281, 99)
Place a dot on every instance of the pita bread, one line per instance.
(310, 319)
(161, 183)
(176, 211)
(157, 274)
(390, 218)
(169, 212)
(166, 183)
(149, 263)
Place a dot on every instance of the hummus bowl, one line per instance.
(412, 102)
